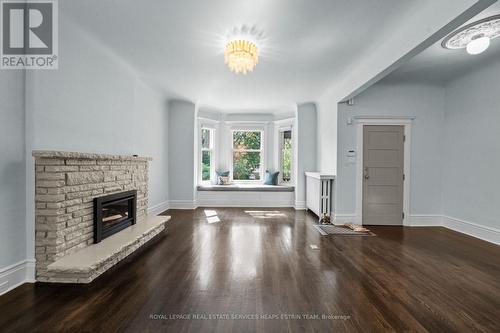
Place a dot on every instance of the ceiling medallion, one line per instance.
(474, 37)
(241, 53)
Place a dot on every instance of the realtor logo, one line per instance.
(29, 34)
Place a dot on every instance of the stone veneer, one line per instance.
(66, 184)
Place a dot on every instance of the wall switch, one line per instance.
(351, 156)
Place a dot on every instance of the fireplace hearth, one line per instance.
(113, 213)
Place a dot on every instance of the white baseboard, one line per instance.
(222, 199)
(17, 274)
(488, 234)
(182, 204)
(244, 199)
(418, 220)
(344, 218)
(245, 204)
(425, 220)
(159, 208)
(300, 205)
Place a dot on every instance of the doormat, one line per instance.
(337, 230)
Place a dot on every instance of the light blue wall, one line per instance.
(85, 105)
(12, 169)
(95, 102)
(327, 135)
(426, 103)
(472, 147)
(150, 129)
(181, 150)
(307, 124)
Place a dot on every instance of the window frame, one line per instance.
(280, 133)
(211, 149)
(261, 151)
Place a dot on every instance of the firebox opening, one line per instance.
(113, 213)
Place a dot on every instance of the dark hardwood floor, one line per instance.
(258, 263)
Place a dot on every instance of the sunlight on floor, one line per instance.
(245, 251)
(265, 214)
(213, 219)
(212, 216)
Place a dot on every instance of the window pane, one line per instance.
(205, 165)
(246, 140)
(286, 156)
(205, 138)
(246, 165)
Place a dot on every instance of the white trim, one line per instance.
(213, 153)
(182, 204)
(389, 118)
(245, 123)
(344, 218)
(245, 199)
(488, 234)
(208, 122)
(285, 121)
(279, 129)
(383, 120)
(17, 274)
(300, 205)
(159, 208)
(425, 220)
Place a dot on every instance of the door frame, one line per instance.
(406, 122)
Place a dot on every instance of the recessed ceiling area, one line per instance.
(439, 65)
(178, 45)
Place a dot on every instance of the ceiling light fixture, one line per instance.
(241, 56)
(474, 37)
(242, 47)
(478, 44)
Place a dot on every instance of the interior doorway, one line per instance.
(383, 175)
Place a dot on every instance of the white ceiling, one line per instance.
(178, 45)
(438, 65)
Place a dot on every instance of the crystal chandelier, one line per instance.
(241, 56)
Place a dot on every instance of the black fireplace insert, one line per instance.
(113, 213)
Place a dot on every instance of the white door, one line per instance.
(383, 158)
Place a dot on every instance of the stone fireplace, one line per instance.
(68, 185)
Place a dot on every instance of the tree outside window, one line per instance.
(247, 155)
(206, 154)
(286, 156)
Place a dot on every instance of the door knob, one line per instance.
(366, 173)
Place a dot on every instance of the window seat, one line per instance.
(247, 188)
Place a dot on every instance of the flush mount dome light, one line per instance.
(477, 45)
(474, 37)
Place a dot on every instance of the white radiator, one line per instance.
(320, 193)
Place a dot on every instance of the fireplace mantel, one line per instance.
(87, 156)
